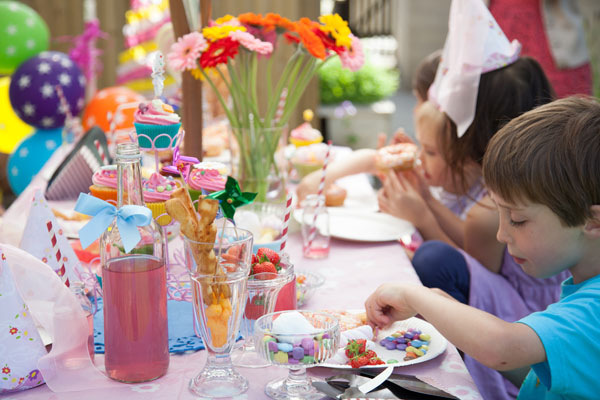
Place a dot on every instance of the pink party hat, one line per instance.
(475, 45)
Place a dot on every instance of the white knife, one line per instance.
(376, 381)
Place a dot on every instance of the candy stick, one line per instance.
(158, 70)
(280, 105)
(63, 103)
(286, 221)
(313, 229)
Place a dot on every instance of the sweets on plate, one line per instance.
(412, 341)
(156, 124)
(104, 184)
(335, 196)
(399, 157)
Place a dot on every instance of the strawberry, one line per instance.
(355, 347)
(375, 361)
(265, 254)
(254, 259)
(265, 267)
(359, 361)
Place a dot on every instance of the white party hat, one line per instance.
(475, 45)
(44, 239)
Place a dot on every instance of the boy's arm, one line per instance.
(493, 342)
(481, 227)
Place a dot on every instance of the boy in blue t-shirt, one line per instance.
(543, 173)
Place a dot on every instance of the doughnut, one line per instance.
(335, 196)
(400, 157)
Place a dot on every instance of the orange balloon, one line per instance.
(101, 109)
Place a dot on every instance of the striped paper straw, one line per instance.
(63, 103)
(281, 105)
(286, 220)
(313, 229)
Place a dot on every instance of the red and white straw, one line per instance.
(63, 103)
(61, 271)
(286, 221)
(281, 105)
(100, 151)
(313, 229)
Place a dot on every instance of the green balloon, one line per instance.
(23, 34)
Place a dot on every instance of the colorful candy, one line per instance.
(412, 341)
(304, 351)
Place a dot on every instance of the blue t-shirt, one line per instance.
(570, 333)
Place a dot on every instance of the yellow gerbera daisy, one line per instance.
(337, 28)
(211, 72)
(215, 33)
(222, 20)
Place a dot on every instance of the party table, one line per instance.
(352, 271)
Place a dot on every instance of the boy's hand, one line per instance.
(388, 304)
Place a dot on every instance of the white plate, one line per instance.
(363, 226)
(437, 345)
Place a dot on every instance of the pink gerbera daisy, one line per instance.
(250, 42)
(185, 52)
(353, 58)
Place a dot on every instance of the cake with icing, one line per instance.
(156, 123)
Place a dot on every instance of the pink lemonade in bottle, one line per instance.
(135, 318)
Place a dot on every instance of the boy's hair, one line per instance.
(550, 156)
(503, 95)
(425, 74)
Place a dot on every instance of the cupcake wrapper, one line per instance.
(159, 212)
(166, 133)
(104, 193)
(300, 142)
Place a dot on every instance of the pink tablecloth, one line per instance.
(352, 271)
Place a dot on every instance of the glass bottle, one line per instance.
(78, 290)
(134, 286)
(315, 227)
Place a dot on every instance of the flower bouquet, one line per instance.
(239, 51)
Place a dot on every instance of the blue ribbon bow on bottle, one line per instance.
(103, 213)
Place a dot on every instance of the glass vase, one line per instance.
(258, 168)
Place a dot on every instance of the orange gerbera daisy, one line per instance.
(273, 20)
(218, 52)
(251, 19)
(310, 40)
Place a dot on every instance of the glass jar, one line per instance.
(78, 290)
(315, 227)
(135, 287)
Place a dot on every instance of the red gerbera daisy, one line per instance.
(291, 38)
(328, 41)
(218, 52)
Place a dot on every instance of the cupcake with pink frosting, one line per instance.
(156, 121)
(157, 190)
(105, 184)
(207, 175)
(305, 134)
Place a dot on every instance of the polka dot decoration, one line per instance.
(33, 89)
(23, 34)
(31, 155)
(101, 109)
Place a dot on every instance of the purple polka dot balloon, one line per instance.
(33, 89)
